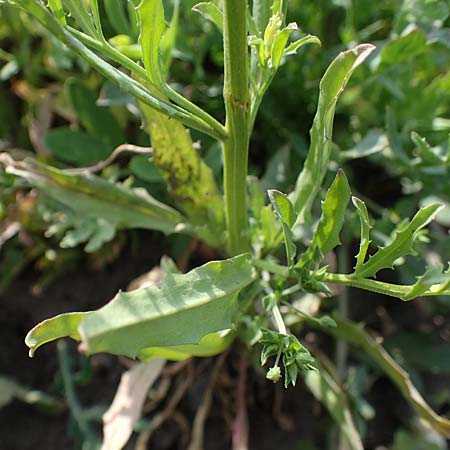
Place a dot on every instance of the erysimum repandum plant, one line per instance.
(250, 293)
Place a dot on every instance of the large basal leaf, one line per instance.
(401, 245)
(92, 196)
(316, 164)
(326, 236)
(179, 313)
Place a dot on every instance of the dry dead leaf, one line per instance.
(125, 410)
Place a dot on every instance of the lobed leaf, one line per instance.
(93, 197)
(331, 87)
(326, 235)
(181, 312)
(401, 244)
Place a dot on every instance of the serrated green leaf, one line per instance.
(363, 215)
(401, 245)
(97, 120)
(153, 26)
(433, 276)
(211, 12)
(326, 235)
(285, 211)
(332, 396)
(316, 164)
(90, 196)
(180, 312)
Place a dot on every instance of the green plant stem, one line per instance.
(392, 290)
(217, 129)
(71, 396)
(237, 104)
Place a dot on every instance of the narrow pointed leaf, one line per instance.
(279, 44)
(115, 11)
(426, 152)
(402, 243)
(365, 231)
(58, 11)
(316, 164)
(293, 48)
(153, 26)
(285, 211)
(211, 12)
(326, 236)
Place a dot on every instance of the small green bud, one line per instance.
(274, 374)
(273, 27)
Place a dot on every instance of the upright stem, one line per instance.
(237, 104)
